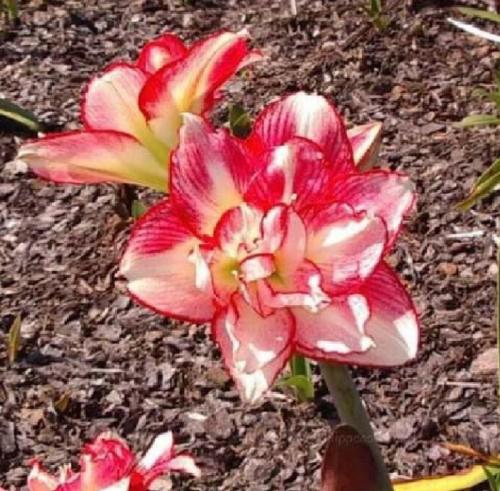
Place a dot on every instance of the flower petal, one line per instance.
(39, 480)
(160, 450)
(238, 228)
(365, 142)
(346, 246)
(208, 174)
(338, 329)
(300, 288)
(284, 235)
(388, 195)
(111, 102)
(185, 463)
(309, 116)
(393, 322)
(69, 481)
(92, 157)
(161, 51)
(159, 460)
(189, 84)
(160, 266)
(105, 462)
(294, 173)
(257, 267)
(254, 348)
(121, 485)
(392, 326)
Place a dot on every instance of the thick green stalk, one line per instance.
(300, 366)
(352, 412)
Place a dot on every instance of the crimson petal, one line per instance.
(160, 266)
(93, 157)
(386, 194)
(161, 51)
(309, 116)
(293, 173)
(209, 173)
(345, 245)
(189, 84)
(392, 326)
(254, 348)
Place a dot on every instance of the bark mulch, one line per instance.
(118, 366)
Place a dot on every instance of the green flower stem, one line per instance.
(352, 412)
(300, 366)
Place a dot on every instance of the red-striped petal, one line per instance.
(257, 267)
(338, 329)
(309, 116)
(105, 462)
(189, 84)
(345, 246)
(392, 325)
(365, 142)
(238, 230)
(160, 264)
(254, 348)
(294, 173)
(388, 195)
(161, 51)
(111, 102)
(284, 235)
(39, 480)
(184, 463)
(209, 173)
(298, 288)
(160, 459)
(92, 157)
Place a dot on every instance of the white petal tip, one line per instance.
(243, 33)
(161, 447)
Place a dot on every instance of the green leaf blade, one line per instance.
(478, 120)
(138, 209)
(488, 182)
(302, 385)
(240, 122)
(13, 112)
(12, 9)
(479, 13)
(14, 340)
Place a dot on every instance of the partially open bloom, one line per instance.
(109, 464)
(132, 112)
(278, 242)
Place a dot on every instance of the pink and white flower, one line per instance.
(109, 464)
(278, 242)
(132, 112)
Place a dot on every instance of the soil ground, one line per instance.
(120, 367)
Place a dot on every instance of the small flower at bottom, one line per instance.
(108, 464)
(279, 242)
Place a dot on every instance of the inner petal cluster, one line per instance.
(262, 257)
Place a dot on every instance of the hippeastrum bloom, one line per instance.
(279, 242)
(132, 112)
(109, 464)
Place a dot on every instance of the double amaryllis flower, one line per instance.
(132, 112)
(109, 464)
(278, 241)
